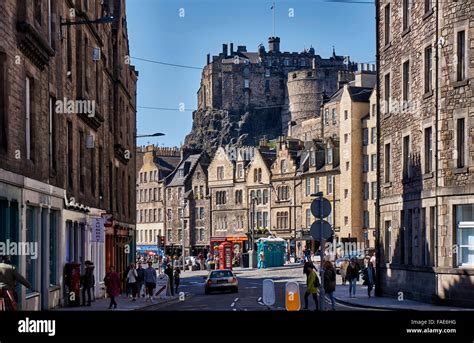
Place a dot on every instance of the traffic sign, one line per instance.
(316, 229)
(316, 208)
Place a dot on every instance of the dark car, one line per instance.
(221, 280)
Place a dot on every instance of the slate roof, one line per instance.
(187, 165)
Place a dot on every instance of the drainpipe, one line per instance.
(378, 283)
(436, 148)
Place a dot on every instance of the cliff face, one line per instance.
(213, 128)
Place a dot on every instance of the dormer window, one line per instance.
(329, 155)
(220, 173)
(283, 167)
(312, 157)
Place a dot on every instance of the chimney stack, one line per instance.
(231, 49)
(208, 60)
(224, 50)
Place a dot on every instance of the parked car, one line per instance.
(221, 280)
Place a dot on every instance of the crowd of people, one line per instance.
(350, 271)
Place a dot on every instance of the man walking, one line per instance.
(150, 281)
(141, 279)
(88, 282)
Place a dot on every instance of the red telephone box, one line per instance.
(225, 255)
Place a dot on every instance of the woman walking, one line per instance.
(312, 285)
(353, 276)
(112, 284)
(369, 276)
(330, 282)
(132, 277)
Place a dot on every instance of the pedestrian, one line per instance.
(330, 282)
(8, 280)
(306, 267)
(141, 280)
(262, 259)
(369, 277)
(88, 282)
(312, 285)
(150, 281)
(112, 286)
(353, 276)
(169, 273)
(132, 281)
(128, 290)
(177, 278)
(343, 270)
(373, 260)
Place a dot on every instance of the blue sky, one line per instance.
(158, 32)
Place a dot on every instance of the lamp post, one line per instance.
(184, 203)
(252, 252)
(157, 134)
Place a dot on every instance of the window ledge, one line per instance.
(387, 184)
(428, 95)
(428, 14)
(406, 31)
(462, 170)
(387, 46)
(461, 83)
(427, 175)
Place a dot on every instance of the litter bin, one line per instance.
(245, 260)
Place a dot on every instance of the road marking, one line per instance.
(232, 305)
(236, 299)
(259, 299)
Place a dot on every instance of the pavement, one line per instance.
(124, 303)
(362, 300)
(249, 296)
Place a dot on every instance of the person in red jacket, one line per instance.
(112, 284)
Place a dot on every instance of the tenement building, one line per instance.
(426, 149)
(154, 164)
(187, 206)
(67, 126)
(229, 198)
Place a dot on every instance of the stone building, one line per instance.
(229, 197)
(426, 149)
(286, 187)
(187, 205)
(318, 174)
(354, 161)
(244, 96)
(67, 124)
(154, 164)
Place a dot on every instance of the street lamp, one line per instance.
(157, 134)
(184, 203)
(252, 252)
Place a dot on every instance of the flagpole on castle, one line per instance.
(273, 8)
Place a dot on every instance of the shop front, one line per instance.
(238, 247)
